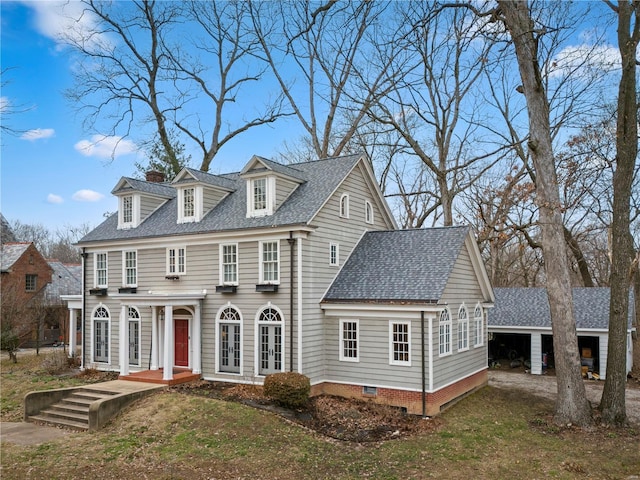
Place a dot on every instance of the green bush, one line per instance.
(289, 389)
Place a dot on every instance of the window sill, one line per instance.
(266, 287)
(100, 292)
(226, 288)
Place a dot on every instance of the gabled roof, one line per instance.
(322, 178)
(529, 308)
(65, 280)
(263, 165)
(10, 253)
(399, 266)
(126, 185)
(204, 177)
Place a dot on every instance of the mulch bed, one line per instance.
(339, 418)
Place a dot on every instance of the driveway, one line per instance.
(546, 386)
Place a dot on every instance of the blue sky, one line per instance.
(52, 171)
(48, 175)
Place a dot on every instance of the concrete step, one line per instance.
(60, 422)
(55, 413)
(71, 407)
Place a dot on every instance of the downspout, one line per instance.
(292, 243)
(424, 386)
(84, 304)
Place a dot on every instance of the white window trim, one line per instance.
(337, 259)
(261, 279)
(448, 345)
(464, 324)
(256, 332)
(239, 322)
(392, 361)
(95, 269)
(270, 184)
(135, 212)
(479, 339)
(342, 358)
(197, 204)
(139, 320)
(368, 212)
(124, 268)
(221, 264)
(93, 334)
(344, 213)
(177, 264)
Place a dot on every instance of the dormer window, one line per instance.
(129, 211)
(260, 196)
(189, 204)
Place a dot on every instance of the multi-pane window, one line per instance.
(260, 194)
(176, 261)
(130, 268)
(101, 270)
(269, 262)
(349, 340)
(344, 206)
(445, 333)
(479, 324)
(229, 264)
(368, 212)
(101, 334)
(188, 203)
(127, 209)
(463, 329)
(399, 343)
(333, 254)
(134, 336)
(31, 283)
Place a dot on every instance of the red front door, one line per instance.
(182, 342)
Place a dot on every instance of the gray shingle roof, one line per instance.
(288, 170)
(322, 178)
(154, 188)
(529, 308)
(65, 280)
(399, 266)
(10, 253)
(210, 179)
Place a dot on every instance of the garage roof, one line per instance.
(529, 307)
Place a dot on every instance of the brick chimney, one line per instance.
(155, 176)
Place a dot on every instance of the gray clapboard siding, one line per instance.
(211, 197)
(148, 205)
(284, 188)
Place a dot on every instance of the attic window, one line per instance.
(344, 205)
(189, 204)
(368, 212)
(260, 196)
(129, 211)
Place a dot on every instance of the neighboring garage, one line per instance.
(520, 328)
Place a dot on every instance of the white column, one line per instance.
(73, 313)
(155, 338)
(197, 340)
(124, 342)
(536, 354)
(168, 343)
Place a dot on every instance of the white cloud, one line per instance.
(68, 22)
(37, 134)
(583, 60)
(87, 196)
(53, 198)
(103, 146)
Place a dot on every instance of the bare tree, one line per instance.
(431, 105)
(159, 66)
(572, 405)
(622, 269)
(329, 51)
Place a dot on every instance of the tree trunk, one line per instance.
(613, 396)
(571, 405)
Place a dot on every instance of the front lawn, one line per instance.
(493, 434)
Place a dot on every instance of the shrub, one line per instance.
(56, 363)
(289, 389)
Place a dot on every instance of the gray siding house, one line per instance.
(520, 324)
(233, 277)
